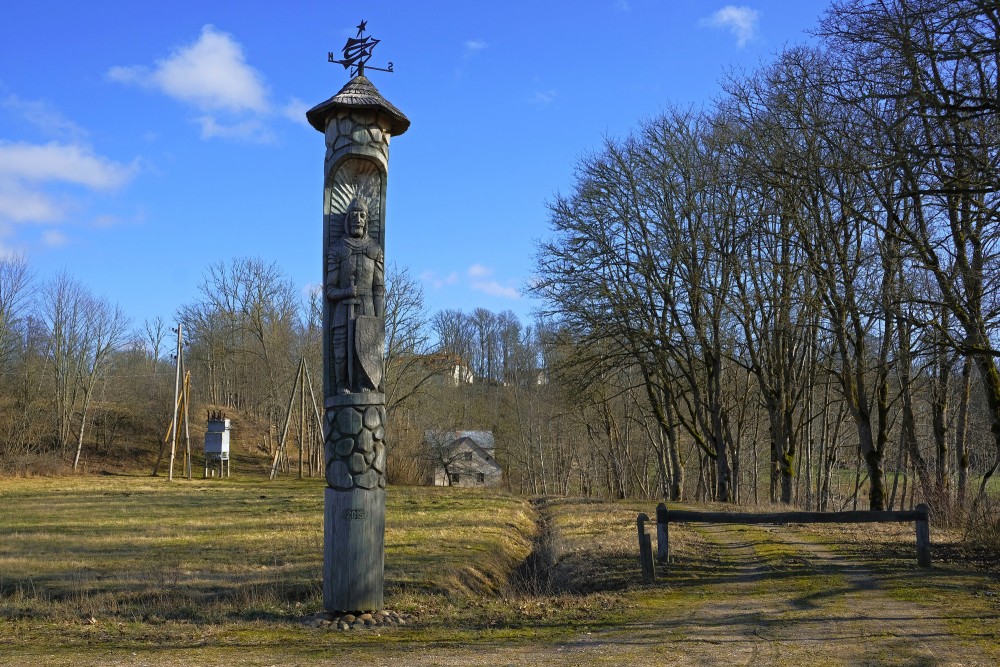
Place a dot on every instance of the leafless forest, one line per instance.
(790, 295)
(806, 270)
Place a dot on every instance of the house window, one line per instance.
(454, 478)
(468, 456)
(480, 477)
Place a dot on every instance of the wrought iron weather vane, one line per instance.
(357, 52)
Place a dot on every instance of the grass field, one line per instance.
(141, 562)
(135, 570)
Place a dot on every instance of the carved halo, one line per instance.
(361, 178)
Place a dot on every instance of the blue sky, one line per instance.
(140, 142)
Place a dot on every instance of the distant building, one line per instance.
(446, 369)
(463, 458)
(458, 372)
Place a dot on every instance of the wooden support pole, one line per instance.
(923, 530)
(645, 550)
(662, 534)
(302, 413)
(177, 392)
(318, 433)
(187, 422)
(280, 454)
(166, 439)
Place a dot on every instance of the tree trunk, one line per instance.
(83, 425)
(962, 431)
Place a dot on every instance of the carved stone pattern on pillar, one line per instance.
(355, 449)
(357, 132)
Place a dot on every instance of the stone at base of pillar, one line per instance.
(353, 541)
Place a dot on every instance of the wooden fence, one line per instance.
(664, 517)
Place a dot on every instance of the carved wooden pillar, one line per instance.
(357, 123)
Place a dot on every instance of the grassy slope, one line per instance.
(228, 562)
(117, 570)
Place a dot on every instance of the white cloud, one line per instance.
(252, 130)
(295, 110)
(474, 46)
(69, 163)
(437, 282)
(740, 21)
(494, 288)
(42, 115)
(478, 278)
(479, 271)
(29, 172)
(544, 97)
(20, 204)
(107, 221)
(54, 238)
(212, 74)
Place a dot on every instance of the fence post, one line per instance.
(662, 534)
(923, 531)
(645, 550)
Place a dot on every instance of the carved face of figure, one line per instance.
(356, 221)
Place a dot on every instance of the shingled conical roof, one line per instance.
(359, 93)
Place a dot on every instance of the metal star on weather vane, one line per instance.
(357, 52)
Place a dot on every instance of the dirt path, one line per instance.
(800, 606)
(803, 606)
(810, 607)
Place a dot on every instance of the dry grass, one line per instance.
(221, 572)
(593, 544)
(141, 550)
(90, 563)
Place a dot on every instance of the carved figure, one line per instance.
(355, 285)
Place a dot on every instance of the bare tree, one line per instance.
(409, 366)
(15, 294)
(773, 302)
(242, 333)
(105, 330)
(641, 268)
(154, 333)
(931, 68)
(454, 333)
(84, 332)
(63, 308)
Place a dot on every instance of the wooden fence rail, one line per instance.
(664, 517)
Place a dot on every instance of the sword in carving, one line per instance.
(350, 339)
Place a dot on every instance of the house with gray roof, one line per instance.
(463, 458)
